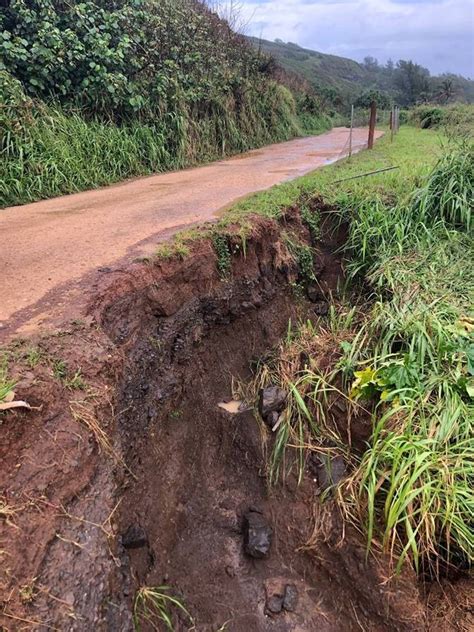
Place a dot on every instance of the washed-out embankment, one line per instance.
(127, 473)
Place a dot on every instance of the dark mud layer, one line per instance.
(160, 497)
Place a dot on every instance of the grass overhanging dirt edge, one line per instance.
(407, 358)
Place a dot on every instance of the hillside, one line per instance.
(340, 80)
(345, 76)
(93, 93)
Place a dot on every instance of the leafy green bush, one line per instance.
(367, 97)
(92, 93)
(456, 120)
(427, 116)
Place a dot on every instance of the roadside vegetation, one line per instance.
(401, 345)
(456, 120)
(95, 93)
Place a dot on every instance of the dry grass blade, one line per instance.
(83, 414)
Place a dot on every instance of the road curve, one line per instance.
(50, 243)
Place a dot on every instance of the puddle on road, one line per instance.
(287, 171)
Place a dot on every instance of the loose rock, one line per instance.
(257, 534)
(275, 594)
(274, 604)
(272, 399)
(272, 418)
(290, 600)
(321, 308)
(313, 292)
(331, 471)
(134, 537)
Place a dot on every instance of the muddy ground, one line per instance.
(127, 473)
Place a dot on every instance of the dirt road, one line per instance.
(53, 242)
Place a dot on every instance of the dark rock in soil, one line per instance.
(274, 604)
(271, 419)
(290, 600)
(257, 534)
(313, 292)
(272, 399)
(321, 308)
(275, 594)
(134, 537)
(331, 471)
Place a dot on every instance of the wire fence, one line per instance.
(360, 117)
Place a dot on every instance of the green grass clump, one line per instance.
(221, 246)
(417, 365)
(6, 385)
(408, 362)
(455, 120)
(154, 606)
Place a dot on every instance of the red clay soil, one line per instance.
(136, 440)
(47, 245)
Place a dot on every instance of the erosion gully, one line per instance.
(132, 476)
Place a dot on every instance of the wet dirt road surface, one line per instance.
(50, 243)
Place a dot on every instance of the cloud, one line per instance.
(435, 33)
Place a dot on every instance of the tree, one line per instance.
(447, 89)
(389, 67)
(371, 64)
(412, 82)
(367, 97)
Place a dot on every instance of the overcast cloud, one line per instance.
(438, 34)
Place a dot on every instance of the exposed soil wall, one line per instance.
(157, 351)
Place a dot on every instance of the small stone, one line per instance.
(272, 399)
(305, 359)
(69, 598)
(332, 470)
(272, 418)
(290, 600)
(275, 595)
(257, 535)
(134, 537)
(321, 308)
(274, 604)
(313, 292)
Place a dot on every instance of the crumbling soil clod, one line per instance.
(134, 537)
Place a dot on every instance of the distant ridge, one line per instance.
(341, 79)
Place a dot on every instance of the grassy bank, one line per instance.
(93, 93)
(405, 359)
(413, 152)
(49, 151)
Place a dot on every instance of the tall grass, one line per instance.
(48, 151)
(418, 471)
(410, 361)
(418, 367)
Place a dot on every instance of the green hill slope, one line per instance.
(343, 75)
(340, 80)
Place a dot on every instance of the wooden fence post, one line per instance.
(350, 134)
(373, 118)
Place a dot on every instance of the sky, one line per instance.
(438, 34)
